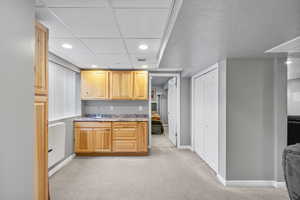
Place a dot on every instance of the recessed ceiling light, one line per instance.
(144, 66)
(67, 46)
(94, 66)
(143, 47)
(288, 62)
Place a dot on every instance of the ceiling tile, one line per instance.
(133, 46)
(150, 59)
(142, 23)
(77, 46)
(56, 29)
(107, 46)
(141, 3)
(112, 59)
(89, 22)
(76, 3)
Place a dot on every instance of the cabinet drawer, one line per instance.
(124, 146)
(93, 124)
(128, 133)
(125, 124)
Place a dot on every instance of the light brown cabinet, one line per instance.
(111, 137)
(41, 60)
(140, 90)
(121, 85)
(94, 85)
(102, 140)
(114, 85)
(84, 139)
(41, 113)
(41, 147)
(92, 137)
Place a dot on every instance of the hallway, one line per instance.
(166, 174)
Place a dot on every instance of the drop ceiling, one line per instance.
(208, 31)
(106, 33)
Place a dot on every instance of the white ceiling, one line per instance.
(207, 31)
(159, 81)
(106, 33)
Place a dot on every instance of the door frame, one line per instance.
(171, 75)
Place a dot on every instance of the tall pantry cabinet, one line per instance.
(41, 113)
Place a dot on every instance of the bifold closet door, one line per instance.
(211, 118)
(206, 118)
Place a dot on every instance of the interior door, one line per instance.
(172, 108)
(211, 119)
(206, 118)
(199, 117)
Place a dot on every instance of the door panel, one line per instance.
(94, 84)
(142, 141)
(41, 60)
(172, 108)
(121, 85)
(84, 140)
(41, 148)
(102, 140)
(141, 85)
(206, 118)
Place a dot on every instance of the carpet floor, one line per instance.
(166, 174)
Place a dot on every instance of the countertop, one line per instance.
(113, 118)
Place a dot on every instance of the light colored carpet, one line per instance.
(166, 174)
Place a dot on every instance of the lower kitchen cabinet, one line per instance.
(84, 140)
(102, 140)
(105, 138)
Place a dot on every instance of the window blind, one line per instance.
(64, 90)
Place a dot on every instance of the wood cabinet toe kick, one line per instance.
(111, 138)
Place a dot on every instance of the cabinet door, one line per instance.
(83, 140)
(121, 85)
(41, 147)
(41, 60)
(142, 137)
(140, 85)
(102, 140)
(94, 85)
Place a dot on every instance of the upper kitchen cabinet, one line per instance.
(140, 90)
(41, 60)
(121, 85)
(94, 85)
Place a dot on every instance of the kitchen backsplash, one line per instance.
(114, 107)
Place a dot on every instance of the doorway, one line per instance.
(164, 109)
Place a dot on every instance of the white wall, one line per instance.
(249, 116)
(17, 97)
(293, 88)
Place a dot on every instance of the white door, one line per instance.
(172, 108)
(211, 118)
(206, 118)
(199, 125)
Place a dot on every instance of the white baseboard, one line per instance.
(185, 147)
(281, 185)
(250, 183)
(221, 179)
(61, 165)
